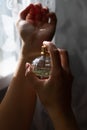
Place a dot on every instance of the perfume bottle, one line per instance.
(42, 64)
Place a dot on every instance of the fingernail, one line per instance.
(27, 65)
(46, 42)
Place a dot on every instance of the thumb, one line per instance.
(30, 76)
(53, 18)
(29, 71)
(33, 80)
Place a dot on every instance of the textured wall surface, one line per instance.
(71, 34)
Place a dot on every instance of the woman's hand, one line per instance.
(35, 24)
(55, 92)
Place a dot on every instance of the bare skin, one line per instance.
(34, 28)
(55, 92)
(17, 107)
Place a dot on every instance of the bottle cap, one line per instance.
(44, 50)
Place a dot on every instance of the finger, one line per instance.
(52, 18)
(32, 78)
(64, 60)
(30, 18)
(65, 64)
(31, 15)
(54, 53)
(45, 12)
(24, 13)
(27, 65)
(38, 14)
(29, 74)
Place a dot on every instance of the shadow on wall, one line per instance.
(71, 34)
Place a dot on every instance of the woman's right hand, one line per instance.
(55, 92)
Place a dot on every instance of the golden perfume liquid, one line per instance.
(42, 64)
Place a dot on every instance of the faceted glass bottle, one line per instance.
(42, 64)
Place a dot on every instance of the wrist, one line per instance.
(63, 119)
(60, 111)
(28, 52)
